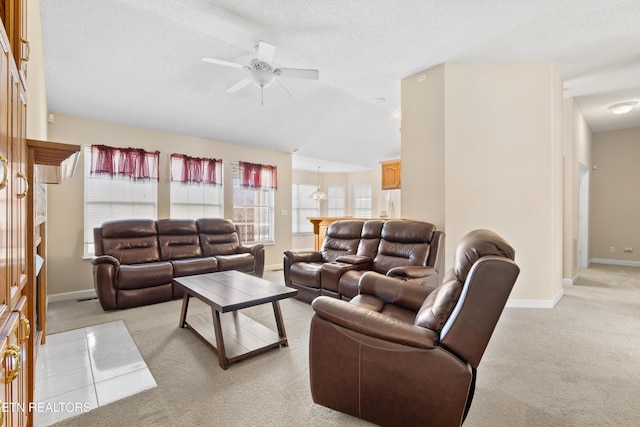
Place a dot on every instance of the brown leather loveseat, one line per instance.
(401, 248)
(137, 259)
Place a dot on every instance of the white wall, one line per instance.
(499, 127)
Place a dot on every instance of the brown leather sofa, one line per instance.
(137, 259)
(408, 354)
(407, 249)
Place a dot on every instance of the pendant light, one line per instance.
(318, 195)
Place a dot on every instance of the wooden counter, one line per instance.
(320, 225)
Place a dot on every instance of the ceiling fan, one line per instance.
(262, 73)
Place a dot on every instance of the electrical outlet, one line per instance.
(628, 249)
(612, 249)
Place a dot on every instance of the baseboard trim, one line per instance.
(572, 281)
(77, 295)
(615, 262)
(535, 303)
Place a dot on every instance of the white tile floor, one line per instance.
(86, 368)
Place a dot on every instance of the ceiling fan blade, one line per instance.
(265, 52)
(225, 63)
(298, 73)
(236, 87)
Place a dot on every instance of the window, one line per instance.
(119, 183)
(336, 201)
(196, 187)
(253, 201)
(362, 200)
(303, 206)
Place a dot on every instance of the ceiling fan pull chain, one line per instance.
(261, 95)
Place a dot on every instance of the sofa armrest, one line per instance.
(360, 261)
(303, 256)
(105, 259)
(105, 280)
(391, 290)
(257, 250)
(422, 275)
(252, 249)
(372, 323)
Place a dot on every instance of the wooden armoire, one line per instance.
(22, 224)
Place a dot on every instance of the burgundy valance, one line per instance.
(196, 169)
(257, 175)
(133, 163)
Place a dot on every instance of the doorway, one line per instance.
(583, 215)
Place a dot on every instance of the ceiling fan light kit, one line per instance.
(623, 107)
(262, 73)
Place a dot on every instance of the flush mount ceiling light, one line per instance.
(318, 195)
(623, 107)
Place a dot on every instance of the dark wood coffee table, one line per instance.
(230, 291)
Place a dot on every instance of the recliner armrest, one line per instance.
(360, 261)
(252, 249)
(422, 275)
(391, 290)
(303, 256)
(105, 277)
(372, 323)
(105, 259)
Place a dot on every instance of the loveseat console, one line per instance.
(137, 259)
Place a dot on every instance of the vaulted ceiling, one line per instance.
(139, 62)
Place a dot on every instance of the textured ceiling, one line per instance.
(138, 62)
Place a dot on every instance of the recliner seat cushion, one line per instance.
(191, 266)
(306, 273)
(241, 262)
(136, 276)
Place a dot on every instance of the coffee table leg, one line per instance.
(183, 313)
(280, 323)
(217, 327)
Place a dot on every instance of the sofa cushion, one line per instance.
(403, 243)
(131, 241)
(217, 236)
(370, 238)
(341, 238)
(191, 266)
(242, 262)
(178, 239)
(146, 275)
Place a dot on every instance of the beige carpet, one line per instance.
(575, 365)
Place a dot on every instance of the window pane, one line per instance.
(303, 206)
(196, 200)
(253, 210)
(362, 201)
(336, 202)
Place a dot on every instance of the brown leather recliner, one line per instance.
(408, 354)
